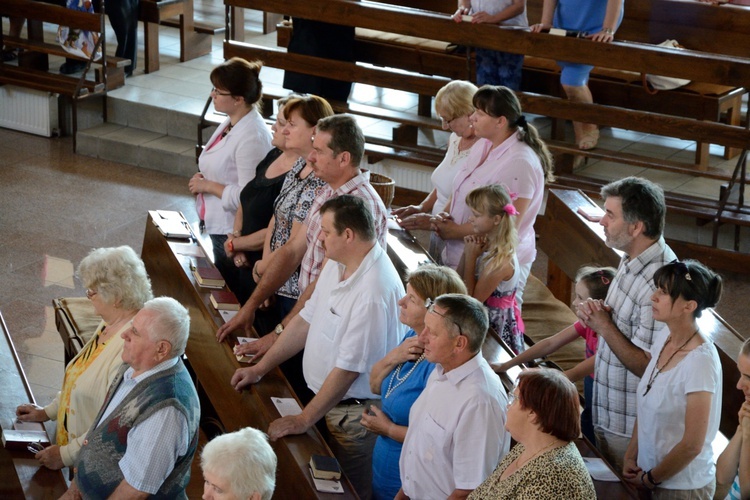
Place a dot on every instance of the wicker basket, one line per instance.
(384, 186)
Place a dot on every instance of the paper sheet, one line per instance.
(287, 407)
(599, 470)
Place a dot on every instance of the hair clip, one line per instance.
(605, 280)
(510, 209)
(682, 267)
(521, 121)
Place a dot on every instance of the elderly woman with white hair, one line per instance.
(118, 286)
(239, 466)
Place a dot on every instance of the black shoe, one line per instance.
(69, 67)
(10, 55)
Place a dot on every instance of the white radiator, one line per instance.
(28, 110)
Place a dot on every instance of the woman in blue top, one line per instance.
(598, 20)
(401, 376)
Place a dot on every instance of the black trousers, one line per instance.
(123, 16)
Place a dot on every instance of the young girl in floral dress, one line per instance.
(489, 265)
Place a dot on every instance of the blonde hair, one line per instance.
(455, 99)
(502, 240)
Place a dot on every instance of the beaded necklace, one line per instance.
(397, 375)
(656, 371)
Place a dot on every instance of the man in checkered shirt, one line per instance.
(633, 223)
(338, 149)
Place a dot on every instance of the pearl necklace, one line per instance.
(397, 375)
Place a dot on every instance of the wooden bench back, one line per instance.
(697, 26)
(53, 14)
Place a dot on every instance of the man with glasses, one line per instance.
(456, 434)
(633, 223)
(349, 323)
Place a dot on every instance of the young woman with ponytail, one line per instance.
(510, 153)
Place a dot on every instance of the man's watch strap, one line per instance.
(279, 328)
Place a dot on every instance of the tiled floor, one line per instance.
(56, 206)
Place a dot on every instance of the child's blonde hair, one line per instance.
(596, 279)
(494, 200)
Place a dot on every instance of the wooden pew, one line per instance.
(195, 38)
(21, 476)
(407, 254)
(214, 364)
(32, 69)
(571, 241)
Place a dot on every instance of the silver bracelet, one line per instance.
(608, 31)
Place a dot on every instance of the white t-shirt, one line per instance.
(492, 7)
(661, 412)
(456, 435)
(353, 323)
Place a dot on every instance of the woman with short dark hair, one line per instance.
(679, 395)
(543, 417)
(230, 158)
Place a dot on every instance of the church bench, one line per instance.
(701, 101)
(22, 476)
(222, 408)
(32, 69)
(195, 37)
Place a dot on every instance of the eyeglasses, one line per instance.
(430, 304)
(512, 398)
(90, 293)
(448, 122)
(216, 91)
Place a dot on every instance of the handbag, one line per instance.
(79, 42)
(658, 82)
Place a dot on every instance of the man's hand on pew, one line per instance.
(286, 426)
(245, 377)
(50, 457)
(257, 348)
(243, 319)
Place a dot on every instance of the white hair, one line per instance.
(171, 322)
(117, 275)
(245, 459)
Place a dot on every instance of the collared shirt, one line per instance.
(516, 166)
(160, 455)
(456, 434)
(353, 322)
(315, 254)
(629, 297)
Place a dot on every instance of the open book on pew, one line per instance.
(25, 434)
(171, 224)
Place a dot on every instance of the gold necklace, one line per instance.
(656, 371)
(518, 465)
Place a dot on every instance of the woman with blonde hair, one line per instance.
(453, 106)
(117, 286)
(489, 265)
(510, 153)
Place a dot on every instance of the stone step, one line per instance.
(139, 147)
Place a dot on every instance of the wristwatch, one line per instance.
(279, 328)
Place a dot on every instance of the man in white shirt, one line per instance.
(143, 440)
(349, 323)
(456, 434)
